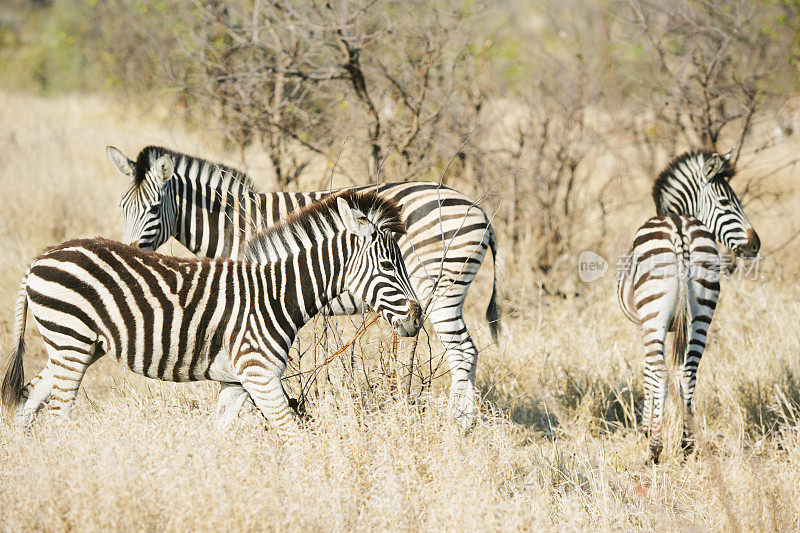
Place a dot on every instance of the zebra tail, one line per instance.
(14, 380)
(682, 321)
(493, 310)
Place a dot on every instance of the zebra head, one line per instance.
(148, 207)
(375, 271)
(697, 184)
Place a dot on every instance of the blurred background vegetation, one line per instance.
(527, 97)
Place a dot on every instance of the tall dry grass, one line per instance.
(556, 446)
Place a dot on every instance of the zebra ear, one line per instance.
(164, 167)
(120, 161)
(727, 157)
(354, 220)
(712, 166)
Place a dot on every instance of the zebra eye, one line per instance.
(385, 264)
(724, 202)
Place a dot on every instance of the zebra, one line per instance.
(212, 210)
(207, 319)
(672, 280)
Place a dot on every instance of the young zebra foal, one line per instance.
(222, 320)
(672, 284)
(672, 280)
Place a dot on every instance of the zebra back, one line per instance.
(214, 210)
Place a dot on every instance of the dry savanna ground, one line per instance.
(556, 446)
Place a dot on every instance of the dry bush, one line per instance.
(300, 79)
(517, 98)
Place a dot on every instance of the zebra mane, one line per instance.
(322, 217)
(147, 157)
(686, 167)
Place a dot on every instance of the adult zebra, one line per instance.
(212, 210)
(223, 320)
(672, 280)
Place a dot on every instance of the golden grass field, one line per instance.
(555, 448)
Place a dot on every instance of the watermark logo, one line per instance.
(591, 266)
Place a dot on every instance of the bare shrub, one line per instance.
(301, 78)
(711, 68)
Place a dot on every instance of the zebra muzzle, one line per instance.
(409, 325)
(751, 247)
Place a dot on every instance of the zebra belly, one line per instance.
(221, 369)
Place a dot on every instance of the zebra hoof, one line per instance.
(687, 445)
(464, 409)
(299, 408)
(655, 454)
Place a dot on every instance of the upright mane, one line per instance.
(686, 167)
(300, 226)
(147, 157)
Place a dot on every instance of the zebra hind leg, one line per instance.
(26, 393)
(69, 366)
(655, 382)
(688, 381)
(462, 357)
(687, 441)
(35, 395)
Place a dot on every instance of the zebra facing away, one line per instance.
(212, 210)
(195, 319)
(672, 280)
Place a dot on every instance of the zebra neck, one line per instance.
(216, 217)
(306, 281)
(677, 198)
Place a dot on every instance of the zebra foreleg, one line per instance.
(263, 383)
(234, 400)
(232, 397)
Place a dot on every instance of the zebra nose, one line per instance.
(753, 244)
(415, 312)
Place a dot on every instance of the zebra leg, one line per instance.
(263, 382)
(35, 395)
(69, 367)
(655, 383)
(26, 392)
(647, 412)
(688, 380)
(462, 357)
(232, 397)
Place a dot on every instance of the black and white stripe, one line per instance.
(213, 209)
(671, 281)
(224, 320)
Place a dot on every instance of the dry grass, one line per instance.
(556, 447)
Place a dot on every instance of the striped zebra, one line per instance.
(200, 319)
(213, 209)
(672, 280)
